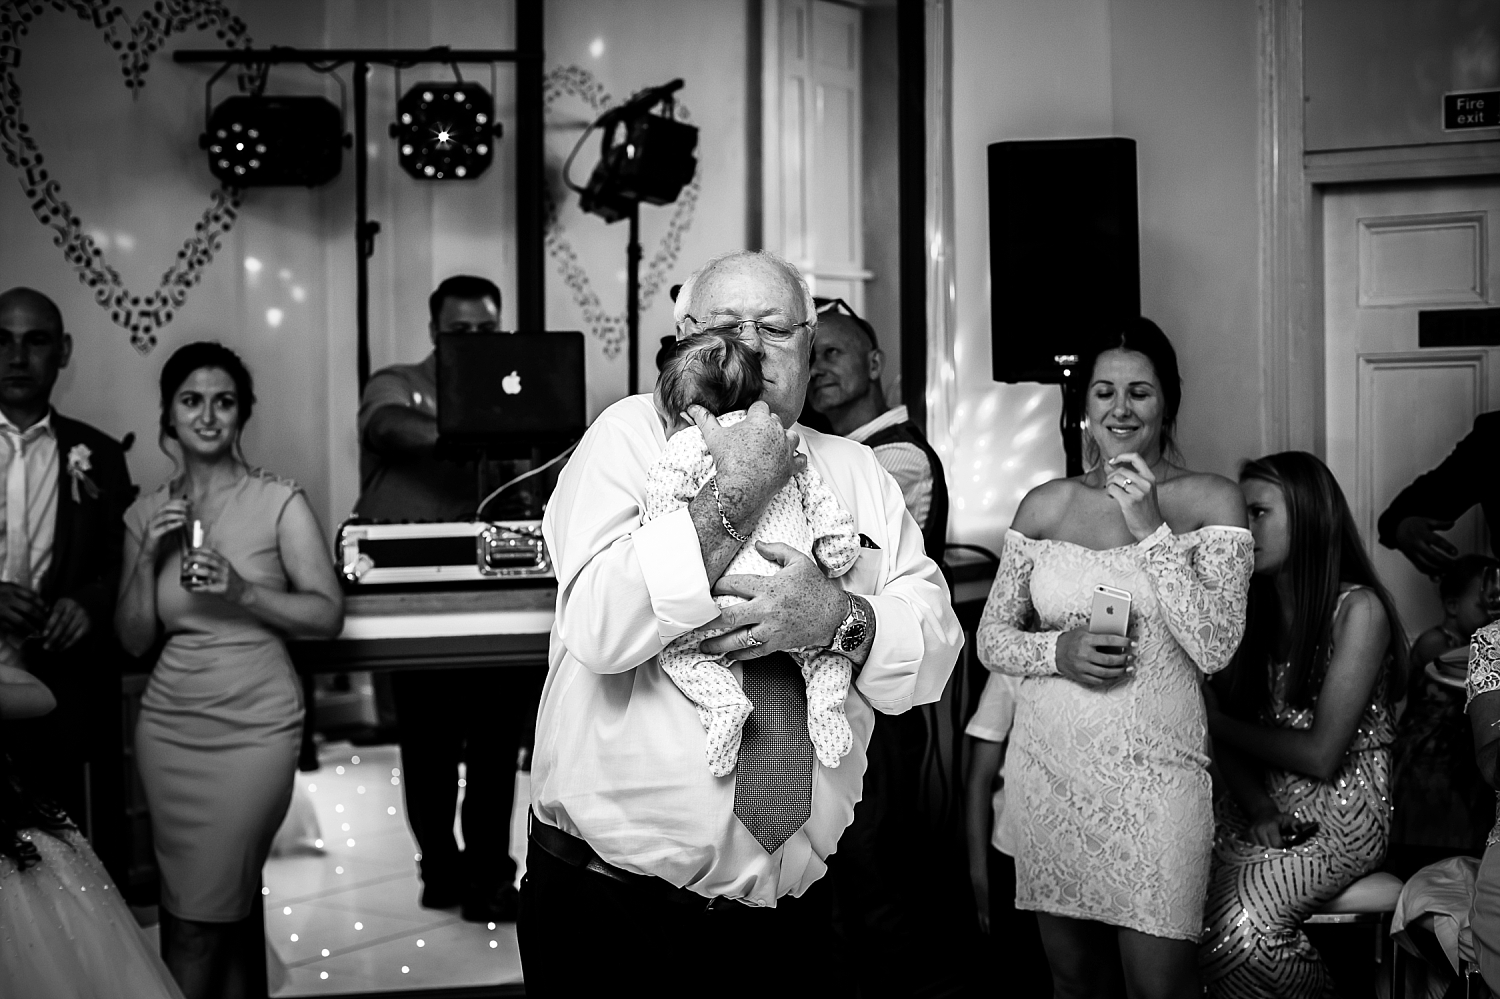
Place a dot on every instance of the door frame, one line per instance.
(1292, 186)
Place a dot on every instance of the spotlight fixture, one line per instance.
(445, 131)
(259, 141)
(644, 156)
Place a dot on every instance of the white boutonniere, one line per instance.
(79, 467)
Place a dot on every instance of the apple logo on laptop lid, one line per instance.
(511, 383)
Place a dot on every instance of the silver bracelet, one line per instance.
(723, 517)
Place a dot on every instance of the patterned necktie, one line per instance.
(17, 530)
(773, 779)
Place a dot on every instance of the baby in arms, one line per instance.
(723, 375)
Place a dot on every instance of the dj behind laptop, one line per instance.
(509, 409)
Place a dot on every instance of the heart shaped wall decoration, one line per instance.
(136, 42)
(575, 81)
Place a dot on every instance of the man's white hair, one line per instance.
(685, 293)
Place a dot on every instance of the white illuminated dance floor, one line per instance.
(347, 920)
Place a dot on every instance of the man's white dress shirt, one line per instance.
(619, 750)
(907, 463)
(39, 455)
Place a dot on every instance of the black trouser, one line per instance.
(895, 886)
(1015, 965)
(872, 893)
(583, 933)
(481, 717)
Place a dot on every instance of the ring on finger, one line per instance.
(751, 642)
(1129, 481)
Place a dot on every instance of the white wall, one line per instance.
(1184, 76)
(643, 43)
(132, 170)
(1020, 71)
(1178, 76)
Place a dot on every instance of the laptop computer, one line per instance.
(509, 393)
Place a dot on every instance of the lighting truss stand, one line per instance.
(527, 57)
(633, 296)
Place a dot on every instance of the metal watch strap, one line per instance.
(854, 619)
(723, 517)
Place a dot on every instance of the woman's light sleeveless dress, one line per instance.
(1253, 944)
(1114, 812)
(221, 718)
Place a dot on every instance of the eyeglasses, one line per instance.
(838, 305)
(723, 325)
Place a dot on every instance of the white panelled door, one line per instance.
(815, 200)
(1395, 409)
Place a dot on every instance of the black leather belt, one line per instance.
(576, 853)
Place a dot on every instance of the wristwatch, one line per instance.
(851, 633)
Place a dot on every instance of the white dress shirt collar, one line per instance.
(31, 433)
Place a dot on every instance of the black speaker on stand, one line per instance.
(1065, 261)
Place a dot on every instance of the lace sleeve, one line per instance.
(1484, 662)
(1202, 580)
(1005, 646)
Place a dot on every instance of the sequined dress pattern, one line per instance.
(1484, 677)
(1258, 897)
(1114, 813)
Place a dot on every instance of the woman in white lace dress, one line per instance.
(1107, 765)
(1304, 738)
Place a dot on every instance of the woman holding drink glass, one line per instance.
(227, 561)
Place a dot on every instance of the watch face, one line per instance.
(853, 637)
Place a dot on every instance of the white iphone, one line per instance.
(1111, 612)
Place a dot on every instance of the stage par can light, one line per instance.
(260, 141)
(445, 131)
(648, 158)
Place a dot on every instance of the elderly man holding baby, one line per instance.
(634, 841)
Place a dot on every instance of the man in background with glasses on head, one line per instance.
(846, 390)
(645, 872)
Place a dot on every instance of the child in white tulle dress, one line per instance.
(723, 375)
(65, 931)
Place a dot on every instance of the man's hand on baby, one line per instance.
(796, 608)
(754, 458)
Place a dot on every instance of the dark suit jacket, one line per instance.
(87, 548)
(935, 530)
(1469, 475)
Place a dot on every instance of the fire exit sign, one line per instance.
(1471, 109)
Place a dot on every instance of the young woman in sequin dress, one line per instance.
(1106, 767)
(1303, 740)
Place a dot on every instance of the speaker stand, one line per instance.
(1071, 425)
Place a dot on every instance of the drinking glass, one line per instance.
(192, 539)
